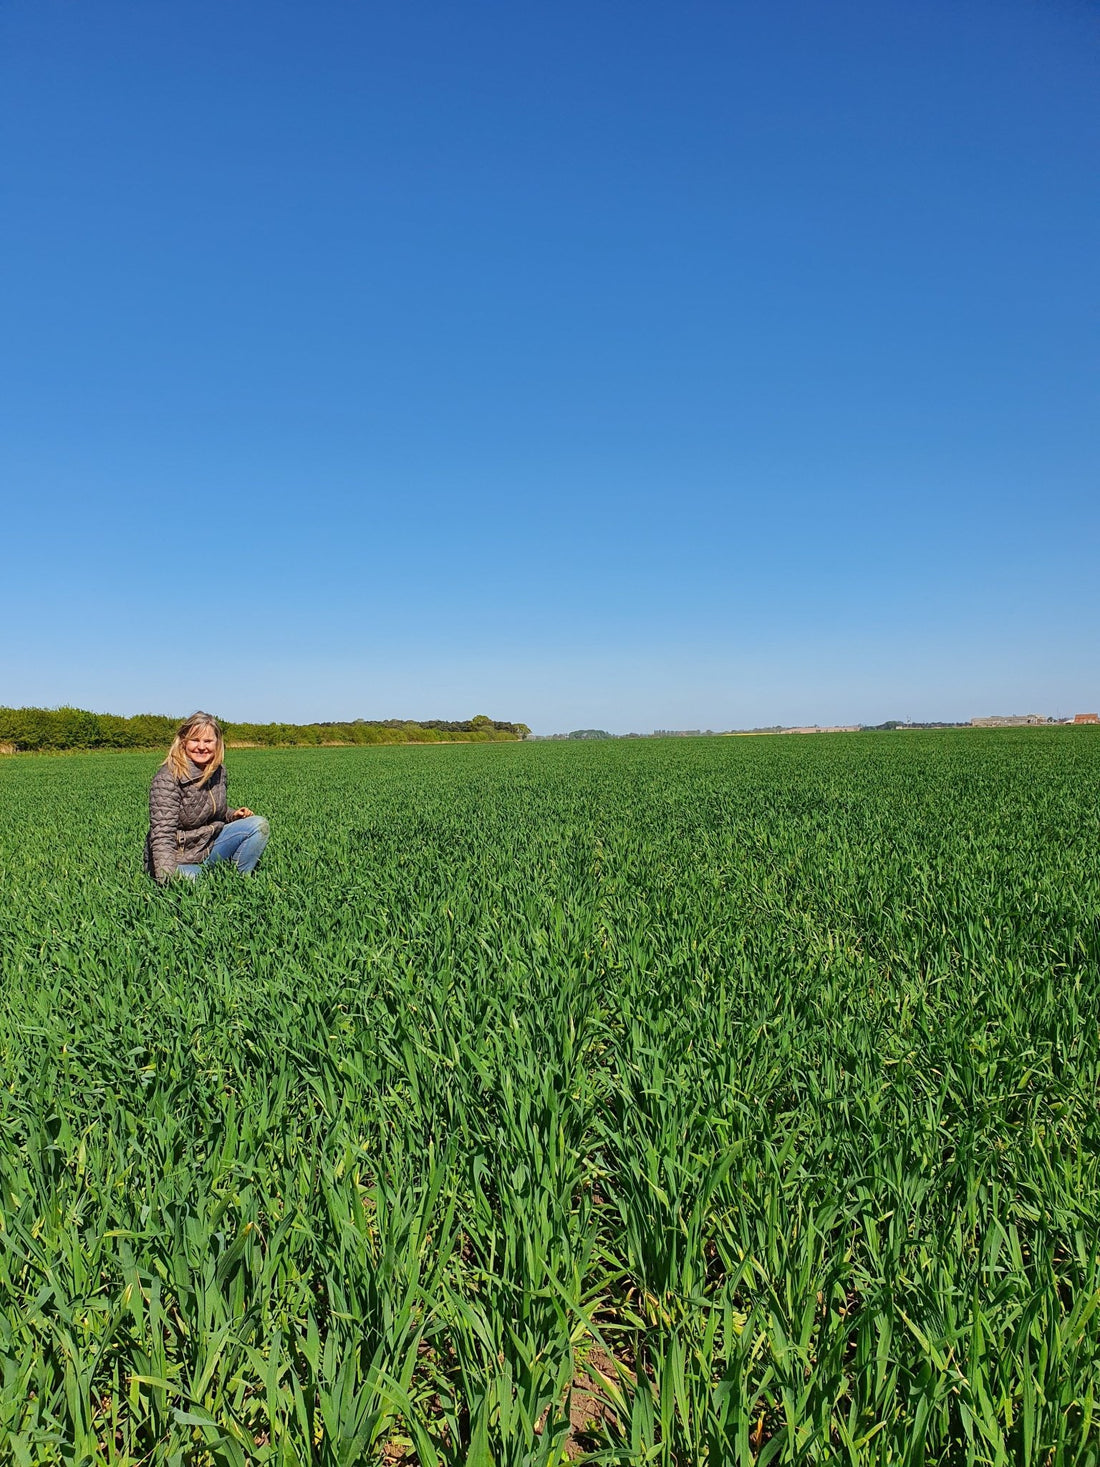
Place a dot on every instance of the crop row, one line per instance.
(716, 1101)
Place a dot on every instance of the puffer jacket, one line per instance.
(185, 818)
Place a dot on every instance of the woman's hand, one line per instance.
(242, 814)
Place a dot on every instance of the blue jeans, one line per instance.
(241, 841)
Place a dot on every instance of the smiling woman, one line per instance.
(190, 824)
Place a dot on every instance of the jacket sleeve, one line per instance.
(164, 820)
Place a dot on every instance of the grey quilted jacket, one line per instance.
(185, 817)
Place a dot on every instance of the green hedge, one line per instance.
(37, 730)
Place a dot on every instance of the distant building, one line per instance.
(817, 728)
(1009, 720)
(1086, 718)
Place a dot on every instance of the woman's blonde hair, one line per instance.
(177, 760)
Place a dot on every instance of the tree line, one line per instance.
(45, 730)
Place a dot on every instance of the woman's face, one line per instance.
(201, 746)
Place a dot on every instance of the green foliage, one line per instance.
(51, 730)
(692, 1102)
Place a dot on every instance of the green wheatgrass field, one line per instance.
(691, 1101)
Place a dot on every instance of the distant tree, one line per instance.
(589, 733)
(46, 729)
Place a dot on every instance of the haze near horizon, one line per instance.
(714, 365)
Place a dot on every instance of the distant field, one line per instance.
(682, 1102)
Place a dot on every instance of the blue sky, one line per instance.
(621, 364)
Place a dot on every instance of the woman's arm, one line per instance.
(164, 823)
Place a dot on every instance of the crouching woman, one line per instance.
(190, 825)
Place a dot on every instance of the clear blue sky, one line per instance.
(621, 364)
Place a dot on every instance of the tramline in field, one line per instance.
(689, 1101)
